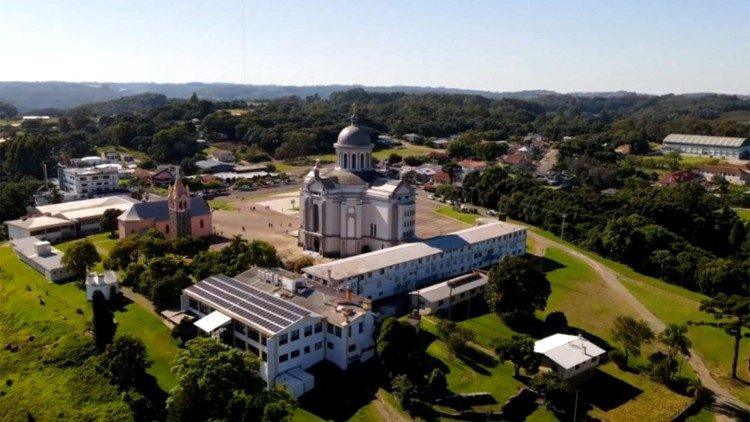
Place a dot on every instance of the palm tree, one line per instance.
(675, 338)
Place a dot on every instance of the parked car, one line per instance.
(492, 212)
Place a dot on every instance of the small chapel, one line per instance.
(180, 215)
(351, 208)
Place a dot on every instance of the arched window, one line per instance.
(362, 161)
(316, 218)
(166, 229)
(354, 161)
(345, 163)
(201, 223)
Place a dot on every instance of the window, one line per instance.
(318, 345)
(352, 347)
(283, 339)
(330, 345)
(295, 354)
(166, 228)
(361, 327)
(318, 327)
(329, 328)
(201, 223)
(338, 331)
(308, 331)
(307, 349)
(295, 334)
(283, 358)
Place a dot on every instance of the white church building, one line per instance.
(353, 209)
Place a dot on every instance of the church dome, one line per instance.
(354, 136)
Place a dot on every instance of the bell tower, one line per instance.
(179, 210)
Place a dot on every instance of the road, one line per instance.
(724, 399)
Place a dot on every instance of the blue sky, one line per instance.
(574, 45)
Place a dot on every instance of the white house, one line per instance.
(568, 356)
(89, 180)
(289, 324)
(41, 256)
(441, 297)
(105, 283)
(410, 266)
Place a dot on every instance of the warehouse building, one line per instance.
(440, 298)
(41, 256)
(403, 268)
(288, 323)
(714, 146)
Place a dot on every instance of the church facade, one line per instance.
(178, 216)
(353, 209)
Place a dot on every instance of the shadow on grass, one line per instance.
(338, 395)
(731, 411)
(477, 360)
(216, 239)
(153, 404)
(606, 392)
(119, 304)
(544, 264)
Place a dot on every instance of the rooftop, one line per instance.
(159, 210)
(115, 201)
(371, 261)
(718, 141)
(321, 300)
(566, 350)
(452, 287)
(249, 304)
(43, 222)
(26, 246)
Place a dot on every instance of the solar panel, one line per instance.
(252, 304)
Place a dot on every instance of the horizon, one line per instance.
(506, 46)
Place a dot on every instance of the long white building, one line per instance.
(88, 181)
(289, 324)
(714, 146)
(403, 268)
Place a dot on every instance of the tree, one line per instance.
(394, 158)
(519, 350)
(733, 312)
(515, 289)
(102, 320)
(676, 340)
(405, 391)
(556, 322)
(123, 253)
(437, 384)
(452, 169)
(631, 334)
(80, 256)
(219, 382)
(109, 220)
(397, 347)
(124, 361)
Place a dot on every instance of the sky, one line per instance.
(652, 47)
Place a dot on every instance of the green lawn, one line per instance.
(465, 217)
(674, 304)
(58, 318)
(743, 213)
(101, 241)
(221, 204)
(139, 155)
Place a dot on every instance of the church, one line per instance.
(351, 208)
(178, 216)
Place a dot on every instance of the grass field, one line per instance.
(465, 217)
(743, 213)
(742, 116)
(138, 155)
(673, 304)
(221, 204)
(55, 390)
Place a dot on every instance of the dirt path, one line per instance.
(386, 411)
(723, 397)
(139, 300)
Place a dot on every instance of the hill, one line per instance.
(29, 96)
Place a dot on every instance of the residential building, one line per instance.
(288, 323)
(180, 215)
(223, 155)
(734, 174)
(41, 256)
(714, 146)
(440, 298)
(678, 177)
(471, 165)
(352, 208)
(403, 268)
(106, 283)
(569, 356)
(441, 143)
(66, 220)
(215, 166)
(88, 180)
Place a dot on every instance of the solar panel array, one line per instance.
(254, 305)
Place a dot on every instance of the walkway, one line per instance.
(723, 397)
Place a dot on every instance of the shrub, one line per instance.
(556, 322)
(618, 357)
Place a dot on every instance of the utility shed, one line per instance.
(569, 356)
